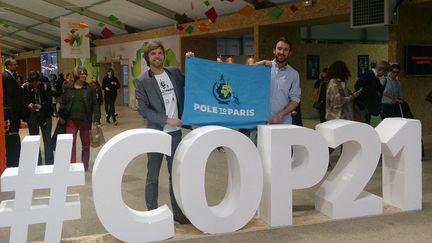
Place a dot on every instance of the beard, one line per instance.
(158, 63)
(281, 58)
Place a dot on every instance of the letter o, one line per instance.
(245, 179)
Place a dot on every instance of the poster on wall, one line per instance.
(362, 64)
(312, 67)
(49, 63)
(75, 42)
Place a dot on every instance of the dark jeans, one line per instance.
(153, 168)
(111, 107)
(45, 124)
(60, 129)
(13, 143)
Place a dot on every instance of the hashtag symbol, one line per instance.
(18, 214)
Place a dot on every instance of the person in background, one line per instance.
(250, 60)
(321, 87)
(372, 89)
(229, 59)
(38, 112)
(160, 94)
(98, 89)
(339, 99)
(52, 83)
(392, 95)
(219, 59)
(13, 111)
(79, 108)
(110, 85)
(67, 82)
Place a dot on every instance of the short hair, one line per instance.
(338, 70)
(77, 71)
(285, 40)
(150, 47)
(9, 61)
(383, 65)
(110, 70)
(395, 66)
(33, 76)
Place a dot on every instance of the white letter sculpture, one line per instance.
(285, 170)
(402, 168)
(52, 210)
(121, 221)
(244, 183)
(341, 195)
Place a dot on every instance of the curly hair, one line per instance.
(339, 70)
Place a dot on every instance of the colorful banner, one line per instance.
(229, 95)
(75, 41)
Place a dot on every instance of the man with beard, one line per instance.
(160, 95)
(285, 84)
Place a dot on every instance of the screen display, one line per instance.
(49, 63)
(419, 60)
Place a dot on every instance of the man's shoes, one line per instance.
(108, 121)
(116, 123)
(181, 218)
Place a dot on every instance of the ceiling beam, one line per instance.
(29, 14)
(31, 30)
(23, 39)
(155, 8)
(90, 14)
(16, 46)
(161, 10)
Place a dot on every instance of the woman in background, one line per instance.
(78, 110)
(110, 85)
(95, 84)
(339, 100)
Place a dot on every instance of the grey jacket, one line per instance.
(150, 102)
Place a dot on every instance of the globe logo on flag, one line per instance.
(224, 92)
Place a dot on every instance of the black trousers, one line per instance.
(13, 143)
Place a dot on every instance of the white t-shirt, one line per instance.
(170, 99)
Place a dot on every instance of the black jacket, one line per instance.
(12, 98)
(112, 84)
(91, 103)
(371, 94)
(44, 92)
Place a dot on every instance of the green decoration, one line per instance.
(276, 12)
(207, 3)
(189, 29)
(112, 18)
(101, 24)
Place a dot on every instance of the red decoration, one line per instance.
(107, 33)
(294, 8)
(211, 14)
(179, 27)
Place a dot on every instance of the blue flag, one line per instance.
(229, 95)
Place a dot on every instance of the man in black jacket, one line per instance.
(38, 112)
(372, 89)
(13, 111)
